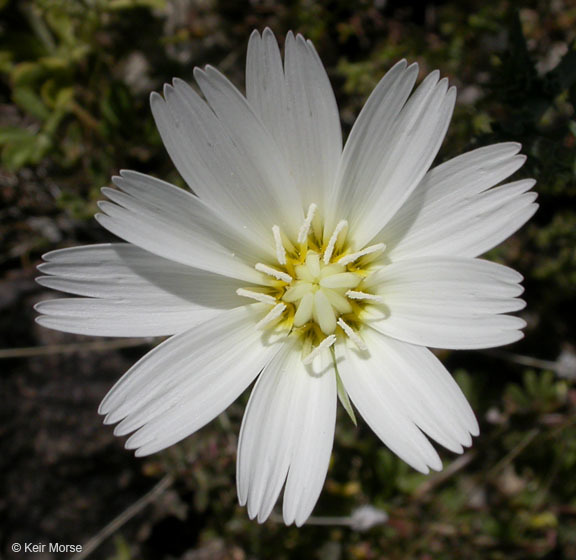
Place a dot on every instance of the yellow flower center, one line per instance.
(315, 287)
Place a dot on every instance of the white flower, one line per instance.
(320, 270)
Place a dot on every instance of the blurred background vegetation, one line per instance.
(75, 76)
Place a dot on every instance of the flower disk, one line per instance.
(314, 288)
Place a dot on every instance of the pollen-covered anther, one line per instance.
(258, 296)
(363, 296)
(272, 315)
(305, 228)
(280, 250)
(352, 335)
(324, 345)
(351, 257)
(273, 272)
(340, 230)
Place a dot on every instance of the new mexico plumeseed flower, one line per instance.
(323, 271)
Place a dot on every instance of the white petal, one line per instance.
(381, 408)
(452, 212)
(386, 161)
(100, 317)
(447, 302)
(188, 380)
(265, 86)
(297, 105)
(256, 144)
(363, 150)
(312, 133)
(287, 435)
(137, 293)
(176, 225)
(429, 395)
(221, 167)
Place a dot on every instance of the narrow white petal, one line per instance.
(176, 225)
(265, 88)
(316, 410)
(188, 380)
(363, 150)
(312, 134)
(287, 435)
(270, 176)
(297, 105)
(374, 189)
(130, 292)
(448, 302)
(430, 396)
(215, 166)
(382, 410)
(101, 317)
(124, 271)
(452, 212)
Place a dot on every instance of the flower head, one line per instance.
(322, 271)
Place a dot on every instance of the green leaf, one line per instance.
(18, 154)
(25, 74)
(30, 101)
(130, 4)
(9, 134)
(29, 148)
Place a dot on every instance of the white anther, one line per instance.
(305, 228)
(342, 224)
(325, 344)
(347, 259)
(258, 296)
(363, 295)
(354, 337)
(278, 274)
(272, 315)
(280, 251)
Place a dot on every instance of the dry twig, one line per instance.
(98, 346)
(124, 517)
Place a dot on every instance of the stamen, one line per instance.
(280, 251)
(278, 274)
(332, 243)
(347, 259)
(354, 337)
(272, 315)
(326, 343)
(363, 295)
(258, 296)
(305, 228)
